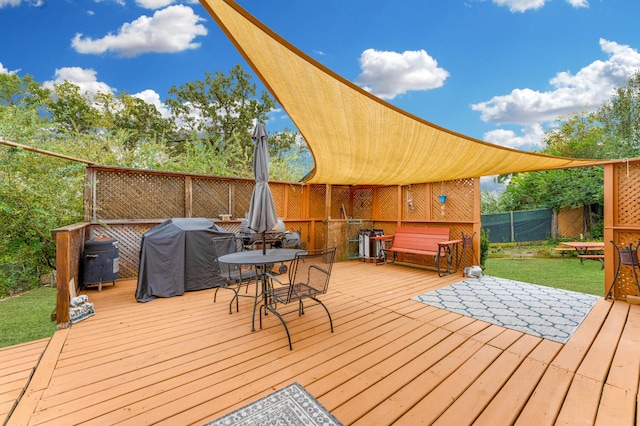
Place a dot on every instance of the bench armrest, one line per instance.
(449, 243)
(383, 237)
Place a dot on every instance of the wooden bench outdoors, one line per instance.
(598, 256)
(563, 250)
(432, 243)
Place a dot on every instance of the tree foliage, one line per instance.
(221, 108)
(613, 131)
(207, 131)
(620, 119)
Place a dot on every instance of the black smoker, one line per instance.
(100, 263)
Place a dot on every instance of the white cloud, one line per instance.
(85, 79)
(4, 70)
(520, 5)
(524, 5)
(578, 3)
(158, 4)
(588, 89)
(9, 3)
(169, 30)
(389, 74)
(532, 134)
(153, 98)
(490, 183)
(16, 3)
(154, 4)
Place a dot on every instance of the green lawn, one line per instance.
(27, 317)
(568, 274)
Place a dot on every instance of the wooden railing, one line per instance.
(69, 242)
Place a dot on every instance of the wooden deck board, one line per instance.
(17, 364)
(477, 396)
(186, 360)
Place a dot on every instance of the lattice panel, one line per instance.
(628, 208)
(339, 197)
(469, 256)
(387, 228)
(129, 239)
(132, 195)
(229, 226)
(277, 192)
(210, 198)
(625, 284)
(303, 229)
(415, 202)
(317, 201)
(295, 201)
(459, 204)
(363, 203)
(241, 198)
(388, 209)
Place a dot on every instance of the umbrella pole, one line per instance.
(264, 243)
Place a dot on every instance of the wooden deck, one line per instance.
(17, 364)
(186, 360)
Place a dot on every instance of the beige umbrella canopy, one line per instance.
(355, 137)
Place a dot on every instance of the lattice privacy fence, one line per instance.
(622, 204)
(123, 204)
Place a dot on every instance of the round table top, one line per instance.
(255, 257)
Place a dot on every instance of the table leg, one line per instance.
(261, 278)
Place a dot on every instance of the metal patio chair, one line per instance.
(234, 277)
(627, 256)
(308, 278)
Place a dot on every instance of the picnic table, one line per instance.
(593, 250)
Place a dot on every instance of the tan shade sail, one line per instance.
(356, 138)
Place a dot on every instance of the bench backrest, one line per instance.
(419, 238)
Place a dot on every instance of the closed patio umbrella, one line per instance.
(262, 211)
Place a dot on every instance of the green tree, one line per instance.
(143, 121)
(221, 109)
(620, 119)
(554, 189)
(578, 136)
(491, 202)
(613, 131)
(71, 109)
(24, 91)
(40, 193)
(37, 193)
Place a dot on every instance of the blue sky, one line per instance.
(497, 70)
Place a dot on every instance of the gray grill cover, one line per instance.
(177, 256)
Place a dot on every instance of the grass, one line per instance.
(27, 317)
(567, 274)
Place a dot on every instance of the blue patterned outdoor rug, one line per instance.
(290, 406)
(541, 311)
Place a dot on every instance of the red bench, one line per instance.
(432, 243)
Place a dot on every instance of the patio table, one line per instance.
(261, 262)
